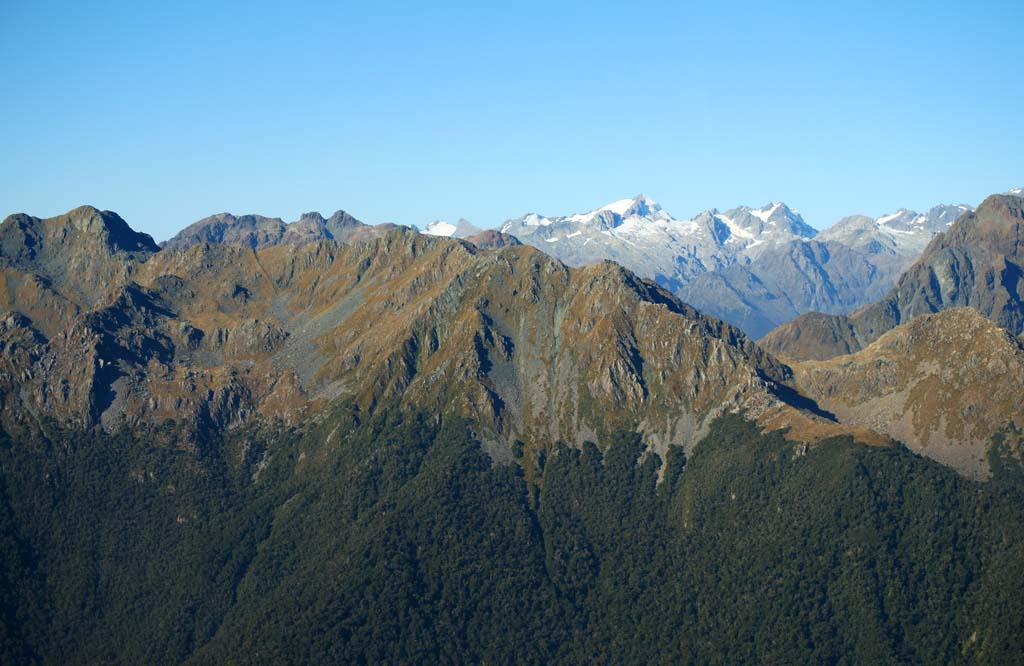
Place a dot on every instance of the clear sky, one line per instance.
(412, 112)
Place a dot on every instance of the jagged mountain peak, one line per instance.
(342, 218)
(313, 216)
(253, 231)
(257, 231)
(61, 264)
(615, 213)
(770, 218)
(641, 205)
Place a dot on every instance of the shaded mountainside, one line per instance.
(944, 383)
(215, 335)
(785, 281)
(976, 263)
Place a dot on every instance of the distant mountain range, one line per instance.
(838, 270)
(642, 236)
(753, 267)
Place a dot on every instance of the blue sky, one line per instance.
(412, 112)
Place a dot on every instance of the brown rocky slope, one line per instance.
(942, 383)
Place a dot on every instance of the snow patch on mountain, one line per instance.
(439, 228)
(886, 219)
(461, 229)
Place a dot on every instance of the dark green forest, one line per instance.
(396, 540)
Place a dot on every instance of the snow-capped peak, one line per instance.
(886, 219)
(439, 228)
(619, 207)
(1016, 191)
(644, 206)
(640, 204)
(767, 210)
(460, 229)
(771, 217)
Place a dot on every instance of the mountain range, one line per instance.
(324, 441)
(640, 235)
(753, 267)
(215, 334)
(108, 325)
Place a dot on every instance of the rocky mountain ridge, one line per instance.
(753, 267)
(258, 232)
(215, 335)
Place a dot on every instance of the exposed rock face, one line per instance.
(214, 335)
(942, 383)
(976, 263)
(258, 232)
